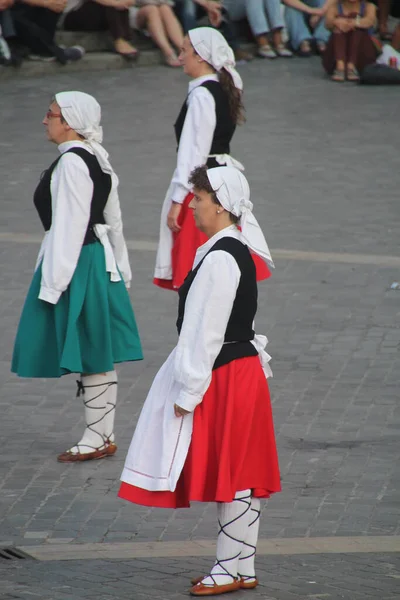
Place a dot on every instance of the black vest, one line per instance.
(101, 191)
(225, 126)
(239, 330)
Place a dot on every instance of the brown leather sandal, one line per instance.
(245, 584)
(70, 457)
(214, 590)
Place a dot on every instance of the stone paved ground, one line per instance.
(311, 577)
(322, 161)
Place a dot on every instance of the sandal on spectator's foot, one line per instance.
(242, 56)
(304, 49)
(246, 583)
(77, 456)
(131, 56)
(266, 52)
(320, 47)
(200, 589)
(338, 75)
(172, 60)
(352, 74)
(283, 52)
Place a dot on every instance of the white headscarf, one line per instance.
(233, 192)
(82, 112)
(211, 45)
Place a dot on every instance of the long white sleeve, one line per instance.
(71, 193)
(195, 141)
(113, 218)
(207, 311)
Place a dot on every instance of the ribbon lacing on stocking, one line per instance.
(81, 391)
(252, 548)
(246, 500)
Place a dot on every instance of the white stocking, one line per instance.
(246, 560)
(111, 401)
(233, 521)
(93, 389)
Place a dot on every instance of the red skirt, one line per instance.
(233, 443)
(185, 244)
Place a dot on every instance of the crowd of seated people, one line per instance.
(343, 32)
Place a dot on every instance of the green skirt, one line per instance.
(91, 327)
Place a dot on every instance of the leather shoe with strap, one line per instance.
(246, 583)
(214, 590)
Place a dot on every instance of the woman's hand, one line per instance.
(314, 20)
(214, 12)
(57, 6)
(172, 219)
(344, 25)
(180, 412)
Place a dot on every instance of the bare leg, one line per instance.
(172, 26)
(149, 17)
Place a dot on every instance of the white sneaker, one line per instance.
(266, 52)
(283, 52)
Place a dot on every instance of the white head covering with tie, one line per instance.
(212, 47)
(82, 112)
(233, 192)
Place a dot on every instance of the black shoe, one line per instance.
(74, 53)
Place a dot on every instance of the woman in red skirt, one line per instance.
(204, 130)
(206, 429)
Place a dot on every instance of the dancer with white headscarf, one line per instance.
(206, 430)
(204, 130)
(77, 316)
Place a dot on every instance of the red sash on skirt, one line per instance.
(185, 244)
(233, 443)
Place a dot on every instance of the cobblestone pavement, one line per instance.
(322, 577)
(322, 161)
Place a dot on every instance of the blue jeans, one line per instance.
(187, 13)
(6, 24)
(263, 15)
(297, 25)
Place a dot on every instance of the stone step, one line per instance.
(92, 61)
(98, 41)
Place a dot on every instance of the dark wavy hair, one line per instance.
(199, 179)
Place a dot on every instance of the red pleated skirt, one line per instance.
(185, 244)
(233, 443)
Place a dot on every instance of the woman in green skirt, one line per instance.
(77, 316)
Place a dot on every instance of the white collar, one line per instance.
(199, 80)
(230, 231)
(73, 144)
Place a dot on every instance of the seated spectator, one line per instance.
(350, 48)
(160, 21)
(266, 23)
(188, 12)
(103, 15)
(218, 17)
(35, 23)
(305, 25)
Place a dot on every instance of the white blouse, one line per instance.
(161, 440)
(71, 195)
(197, 135)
